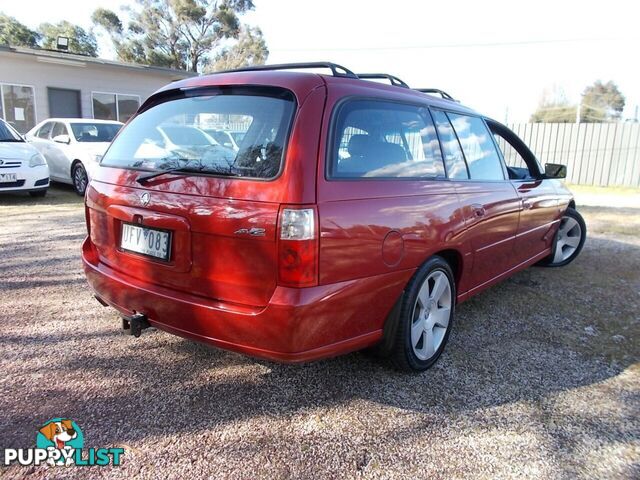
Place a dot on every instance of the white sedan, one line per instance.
(22, 167)
(73, 147)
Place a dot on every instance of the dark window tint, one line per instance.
(172, 134)
(478, 147)
(104, 106)
(95, 132)
(59, 129)
(8, 134)
(456, 168)
(127, 107)
(376, 139)
(45, 130)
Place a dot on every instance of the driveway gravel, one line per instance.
(541, 377)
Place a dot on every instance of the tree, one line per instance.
(182, 34)
(12, 32)
(554, 107)
(80, 41)
(601, 102)
(250, 49)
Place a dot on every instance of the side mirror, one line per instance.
(555, 170)
(62, 139)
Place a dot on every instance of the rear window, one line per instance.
(376, 139)
(173, 134)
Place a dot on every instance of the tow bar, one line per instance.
(135, 324)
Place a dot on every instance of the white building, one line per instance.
(36, 84)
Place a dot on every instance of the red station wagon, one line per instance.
(349, 214)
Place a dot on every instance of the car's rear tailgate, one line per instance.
(221, 248)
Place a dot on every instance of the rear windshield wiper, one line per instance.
(142, 179)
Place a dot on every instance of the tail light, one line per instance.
(298, 247)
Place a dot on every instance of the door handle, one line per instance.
(528, 205)
(478, 210)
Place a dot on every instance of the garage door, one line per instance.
(64, 103)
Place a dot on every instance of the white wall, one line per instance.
(84, 76)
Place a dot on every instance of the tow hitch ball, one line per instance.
(135, 324)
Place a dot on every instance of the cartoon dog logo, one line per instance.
(59, 433)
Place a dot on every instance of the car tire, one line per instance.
(426, 317)
(79, 178)
(38, 193)
(568, 241)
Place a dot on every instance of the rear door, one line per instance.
(222, 211)
(489, 202)
(56, 153)
(540, 211)
(40, 139)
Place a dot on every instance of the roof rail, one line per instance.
(336, 70)
(395, 81)
(442, 93)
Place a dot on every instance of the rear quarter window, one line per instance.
(378, 139)
(173, 134)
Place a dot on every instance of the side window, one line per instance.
(59, 129)
(521, 163)
(478, 147)
(44, 130)
(454, 160)
(376, 139)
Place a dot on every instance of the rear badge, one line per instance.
(254, 232)
(145, 198)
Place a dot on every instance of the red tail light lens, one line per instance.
(87, 218)
(298, 247)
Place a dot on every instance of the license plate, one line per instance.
(8, 177)
(146, 241)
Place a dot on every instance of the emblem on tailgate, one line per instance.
(255, 232)
(145, 198)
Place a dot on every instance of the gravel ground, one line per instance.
(541, 377)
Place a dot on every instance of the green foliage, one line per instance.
(554, 107)
(80, 41)
(14, 33)
(181, 34)
(554, 113)
(250, 49)
(601, 102)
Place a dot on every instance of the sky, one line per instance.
(495, 56)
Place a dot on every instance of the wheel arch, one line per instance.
(73, 165)
(455, 261)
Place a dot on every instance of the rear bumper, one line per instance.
(297, 325)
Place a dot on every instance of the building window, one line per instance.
(114, 106)
(18, 106)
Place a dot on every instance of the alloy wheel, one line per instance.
(80, 179)
(431, 315)
(568, 239)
